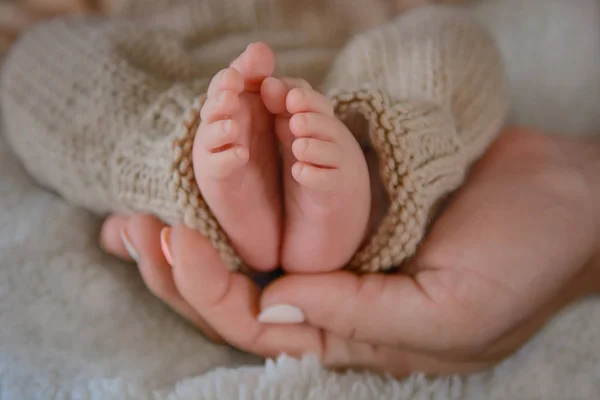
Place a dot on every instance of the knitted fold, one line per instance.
(421, 159)
(433, 102)
(158, 177)
(104, 111)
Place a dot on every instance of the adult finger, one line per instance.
(111, 238)
(414, 312)
(228, 300)
(399, 362)
(137, 238)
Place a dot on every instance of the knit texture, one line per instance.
(431, 86)
(104, 111)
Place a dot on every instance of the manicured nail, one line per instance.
(128, 246)
(281, 314)
(165, 244)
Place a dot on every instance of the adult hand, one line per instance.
(189, 276)
(137, 239)
(513, 246)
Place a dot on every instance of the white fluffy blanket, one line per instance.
(76, 324)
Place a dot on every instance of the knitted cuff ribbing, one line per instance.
(183, 186)
(158, 177)
(421, 160)
(420, 156)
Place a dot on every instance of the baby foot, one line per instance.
(235, 158)
(326, 179)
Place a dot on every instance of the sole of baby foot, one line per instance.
(326, 181)
(236, 163)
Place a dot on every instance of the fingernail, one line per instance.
(281, 314)
(165, 244)
(128, 246)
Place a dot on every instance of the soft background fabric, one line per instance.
(77, 324)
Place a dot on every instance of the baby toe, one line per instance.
(273, 92)
(221, 106)
(316, 178)
(317, 152)
(255, 64)
(222, 164)
(319, 126)
(228, 79)
(217, 136)
(302, 100)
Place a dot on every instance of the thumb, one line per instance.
(396, 310)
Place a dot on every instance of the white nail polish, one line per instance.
(128, 246)
(281, 314)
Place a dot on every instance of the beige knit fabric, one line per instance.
(104, 111)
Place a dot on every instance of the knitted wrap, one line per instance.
(104, 111)
(434, 102)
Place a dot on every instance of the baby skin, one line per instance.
(305, 207)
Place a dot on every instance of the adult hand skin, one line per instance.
(511, 248)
